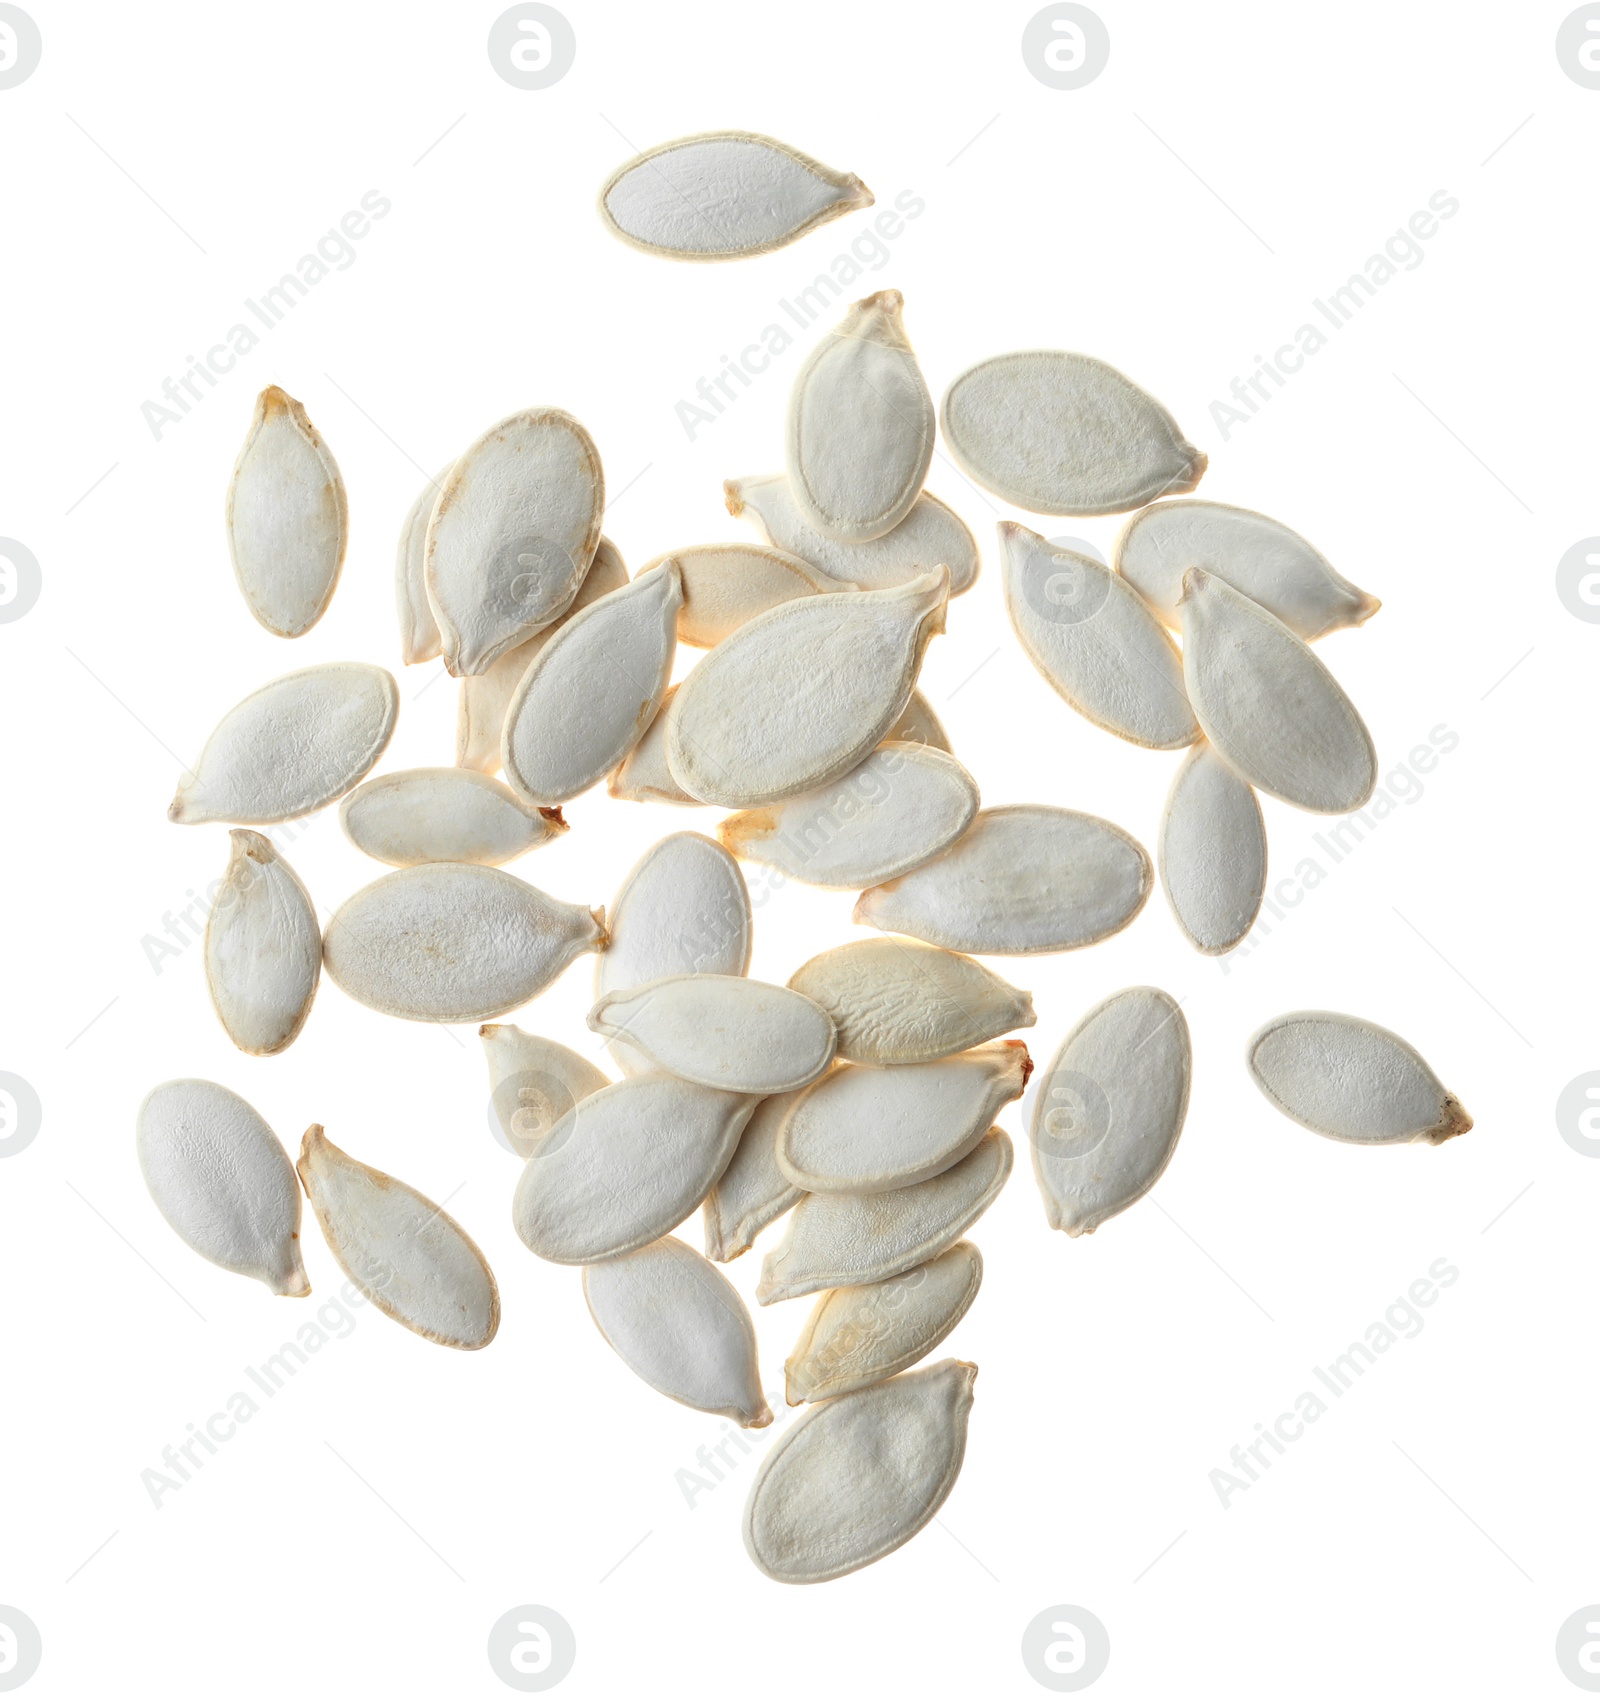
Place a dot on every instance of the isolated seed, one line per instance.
(1095, 642)
(404, 1253)
(896, 1002)
(1269, 706)
(724, 195)
(451, 943)
(725, 584)
(434, 813)
(533, 1081)
(1212, 852)
(1109, 1109)
(287, 519)
(1259, 557)
(753, 1190)
(1022, 881)
(512, 535)
(263, 948)
(682, 1327)
(854, 1479)
(295, 745)
(419, 630)
(864, 1334)
(223, 1182)
(919, 723)
(1065, 433)
(626, 1165)
(801, 694)
(859, 1240)
(645, 774)
(1351, 1080)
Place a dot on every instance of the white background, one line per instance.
(1176, 217)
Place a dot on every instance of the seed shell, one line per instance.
(444, 813)
(919, 723)
(1212, 852)
(645, 774)
(753, 1190)
(419, 630)
(533, 1081)
(725, 584)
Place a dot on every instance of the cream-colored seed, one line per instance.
(263, 948)
(444, 813)
(533, 1081)
(1212, 852)
(753, 1190)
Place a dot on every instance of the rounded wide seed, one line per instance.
(444, 813)
(263, 948)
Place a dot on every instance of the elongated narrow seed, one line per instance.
(854, 1479)
(867, 1129)
(263, 948)
(753, 1190)
(1109, 1109)
(725, 584)
(223, 1182)
(1275, 567)
(624, 1166)
(724, 195)
(863, 1334)
(896, 1002)
(1269, 706)
(287, 518)
(512, 535)
(682, 1327)
(1022, 881)
(726, 1032)
(801, 694)
(405, 1254)
(645, 774)
(1064, 433)
(295, 745)
(450, 943)
(919, 723)
(860, 426)
(1095, 642)
(1351, 1080)
(419, 630)
(434, 813)
(859, 1240)
(533, 1081)
(1212, 852)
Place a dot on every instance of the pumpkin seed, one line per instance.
(223, 1182)
(1022, 881)
(725, 584)
(532, 1083)
(752, 1191)
(404, 1253)
(852, 1480)
(512, 535)
(727, 194)
(449, 943)
(1110, 1107)
(287, 518)
(434, 813)
(419, 630)
(1351, 1080)
(263, 948)
(919, 723)
(895, 1002)
(841, 1239)
(681, 1326)
(1212, 852)
(1268, 705)
(760, 719)
(1095, 642)
(295, 745)
(1064, 433)
(645, 774)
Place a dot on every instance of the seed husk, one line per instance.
(419, 630)
(645, 774)
(533, 1081)
(444, 813)
(725, 584)
(919, 723)
(1212, 852)
(753, 1190)
(263, 948)
(1351, 1080)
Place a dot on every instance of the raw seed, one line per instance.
(263, 948)
(434, 813)
(725, 584)
(645, 774)
(419, 630)
(532, 1083)
(752, 1191)
(1212, 852)
(919, 723)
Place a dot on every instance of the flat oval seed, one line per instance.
(864, 1334)
(452, 943)
(223, 1182)
(753, 1190)
(901, 806)
(419, 630)
(1275, 567)
(263, 948)
(1064, 433)
(896, 1002)
(853, 1480)
(866, 1129)
(1269, 706)
(860, 425)
(434, 813)
(679, 1324)
(295, 745)
(287, 518)
(724, 195)
(645, 774)
(1095, 642)
(725, 584)
(406, 1255)
(919, 723)
(1022, 881)
(1351, 1080)
(725, 1032)
(860, 1240)
(626, 1165)
(1109, 1109)
(801, 694)
(1212, 852)
(532, 1083)
(512, 534)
